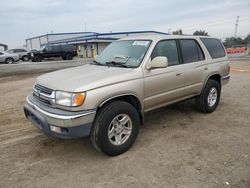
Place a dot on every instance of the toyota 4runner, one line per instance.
(107, 98)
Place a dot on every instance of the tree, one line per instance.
(247, 39)
(201, 33)
(234, 42)
(178, 32)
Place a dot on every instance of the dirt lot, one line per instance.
(177, 147)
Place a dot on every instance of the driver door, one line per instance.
(164, 85)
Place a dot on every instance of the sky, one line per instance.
(21, 19)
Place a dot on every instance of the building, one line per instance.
(5, 46)
(89, 44)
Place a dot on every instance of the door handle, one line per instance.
(178, 74)
(206, 68)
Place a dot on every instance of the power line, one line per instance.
(211, 24)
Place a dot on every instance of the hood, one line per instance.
(87, 77)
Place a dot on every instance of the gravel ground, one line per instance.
(177, 147)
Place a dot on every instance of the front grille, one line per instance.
(42, 100)
(43, 89)
(43, 94)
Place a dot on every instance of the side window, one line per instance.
(18, 50)
(56, 48)
(49, 48)
(191, 51)
(167, 48)
(214, 47)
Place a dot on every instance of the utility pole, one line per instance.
(236, 26)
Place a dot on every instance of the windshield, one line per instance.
(41, 49)
(128, 53)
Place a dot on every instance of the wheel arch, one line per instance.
(39, 55)
(9, 58)
(129, 98)
(214, 76)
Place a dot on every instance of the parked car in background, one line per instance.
(8, 58)
(22, 53)
(67, 52)
(107, 99)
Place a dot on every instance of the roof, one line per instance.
(1, 44)
(70, 33)
(162, 37)
(94, 37)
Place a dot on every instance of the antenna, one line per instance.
(236, 26)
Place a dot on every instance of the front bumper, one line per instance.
(59, 123)
(31, 56)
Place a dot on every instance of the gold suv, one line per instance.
(107, 98)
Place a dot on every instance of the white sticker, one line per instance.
(140, 43)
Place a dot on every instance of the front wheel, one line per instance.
(209, 99)
(115, 128)
(38, 58)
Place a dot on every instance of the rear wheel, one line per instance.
(9, 60)
(25, 58)
(115, 128)
(69, 56)
(209, 99)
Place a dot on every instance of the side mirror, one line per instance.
(158, 62)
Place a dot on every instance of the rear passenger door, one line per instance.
(53, 51)
(193, 60)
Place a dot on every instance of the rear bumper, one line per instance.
(16, 59)
(60, 125)
(225, 79)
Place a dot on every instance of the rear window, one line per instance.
(214, 47)
(68, 47)
(20, 50)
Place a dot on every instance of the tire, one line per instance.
(25, 58)
(63, 57)
(38, 58)
(9, 60)
(208, 101)
(69, 56)
(101, 136)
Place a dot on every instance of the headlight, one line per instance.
(69, 99)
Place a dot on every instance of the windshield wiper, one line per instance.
(117, 64)
(96, 63)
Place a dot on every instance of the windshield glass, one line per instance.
(41, 49)
(129, 53)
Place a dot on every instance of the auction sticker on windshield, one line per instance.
(140, 43)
